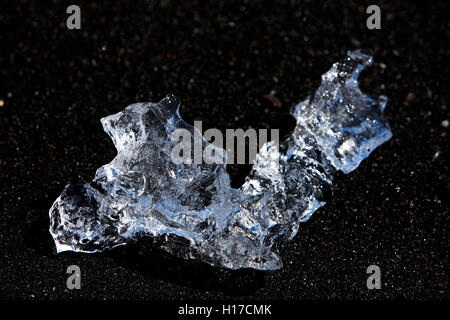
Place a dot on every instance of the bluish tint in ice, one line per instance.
(142, 192)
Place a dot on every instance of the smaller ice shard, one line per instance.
(142, 192)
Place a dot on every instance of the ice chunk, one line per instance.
(142, 192)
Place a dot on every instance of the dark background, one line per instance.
(221, 59)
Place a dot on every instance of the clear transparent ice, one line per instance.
(193, 208)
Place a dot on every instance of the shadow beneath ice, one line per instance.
(37, 235)
(144, 257)
(38, 238)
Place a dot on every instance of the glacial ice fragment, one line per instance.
(142, 192)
